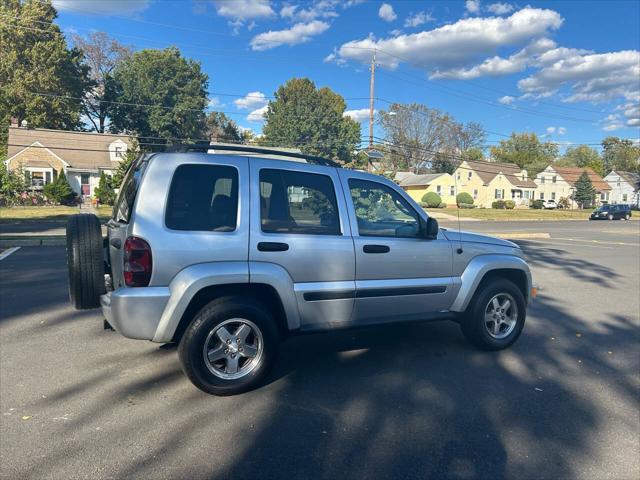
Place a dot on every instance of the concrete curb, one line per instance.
(32, 241)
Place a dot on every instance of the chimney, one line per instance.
(14, 121)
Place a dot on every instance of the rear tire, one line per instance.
(229, 347)
(479, 322)
(85, 261)
(610, 217)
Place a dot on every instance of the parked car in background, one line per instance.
(550, 205)
(611, 212)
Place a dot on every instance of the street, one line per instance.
(400, 401)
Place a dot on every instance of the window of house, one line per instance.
(298, 202)
(118, 152)
(469, 175)
(541, 195)
(526, 194)
(452, 191)
(553, 179)
(499, 194)
(37, 179)
(541, 178)
(382, 212)
(624, 197)
(475, 193)
(439, 189)
(553, 195)
(459, 176)
(203, 198)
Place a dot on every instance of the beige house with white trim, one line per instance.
(83, 156)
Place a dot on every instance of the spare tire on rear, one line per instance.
(85, 261)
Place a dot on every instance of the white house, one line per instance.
(43, 153)
(625, 187)
(554, 183)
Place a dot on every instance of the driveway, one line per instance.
(410, 401)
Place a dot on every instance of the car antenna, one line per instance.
(460, 250)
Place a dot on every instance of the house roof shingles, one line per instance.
(419, 180)
(571, 175)
(487, 171)
(81, 150)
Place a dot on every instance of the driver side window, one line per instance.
(382, 212)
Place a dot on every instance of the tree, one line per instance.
(104, 191)
(417, 134)
(466, 137)
(59, 190)
(526, 151)
(620, 154)
(585, 194)
(311, 119)
(41, 80)
(220, 128)
(102, 55)
(125, 163)
(584, 157)
(161, 95)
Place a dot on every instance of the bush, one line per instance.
(464, 198)
(499, 204)
(466, 205)
(564, 202)
(104, 191)
(537, 204)
(59, 191)
(432, 199)
(442, 205)
(509, 204)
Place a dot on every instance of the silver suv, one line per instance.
(228, 252)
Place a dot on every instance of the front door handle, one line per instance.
(376, 249)
(273, 247)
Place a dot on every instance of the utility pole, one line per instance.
(371, 89)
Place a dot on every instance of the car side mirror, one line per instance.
(431, 231)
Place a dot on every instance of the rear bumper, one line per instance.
(135, 312)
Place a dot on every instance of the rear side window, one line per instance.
(127, 195)
(203, 198)
(298, 202)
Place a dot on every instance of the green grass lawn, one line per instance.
(527, 214)
(51, 214)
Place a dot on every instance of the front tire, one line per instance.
(229, 347)
(495, 317)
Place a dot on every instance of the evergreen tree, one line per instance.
(585, 194)
(104, 191)
(59, 190)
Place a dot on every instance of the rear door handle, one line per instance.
(376, 249)
(273, 247)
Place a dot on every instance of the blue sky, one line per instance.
(567, 70)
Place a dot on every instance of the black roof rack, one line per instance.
(204, 147)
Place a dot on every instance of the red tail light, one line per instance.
(138, 263)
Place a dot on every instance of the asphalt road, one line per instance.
(410, 401)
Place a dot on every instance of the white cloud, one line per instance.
(453, 46)
(258, 114)
(242, 9)
(298, 33)
(320, 9)
(612, 122)
(102, 7)
(506, 100)
(631, 112)
(556, 130)
(472, 6)
(500, 8)
(593, 77)
(359, 115)
(495, 66)
(214, 102)
(251, 101)
(386, 13)
(420, 18)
